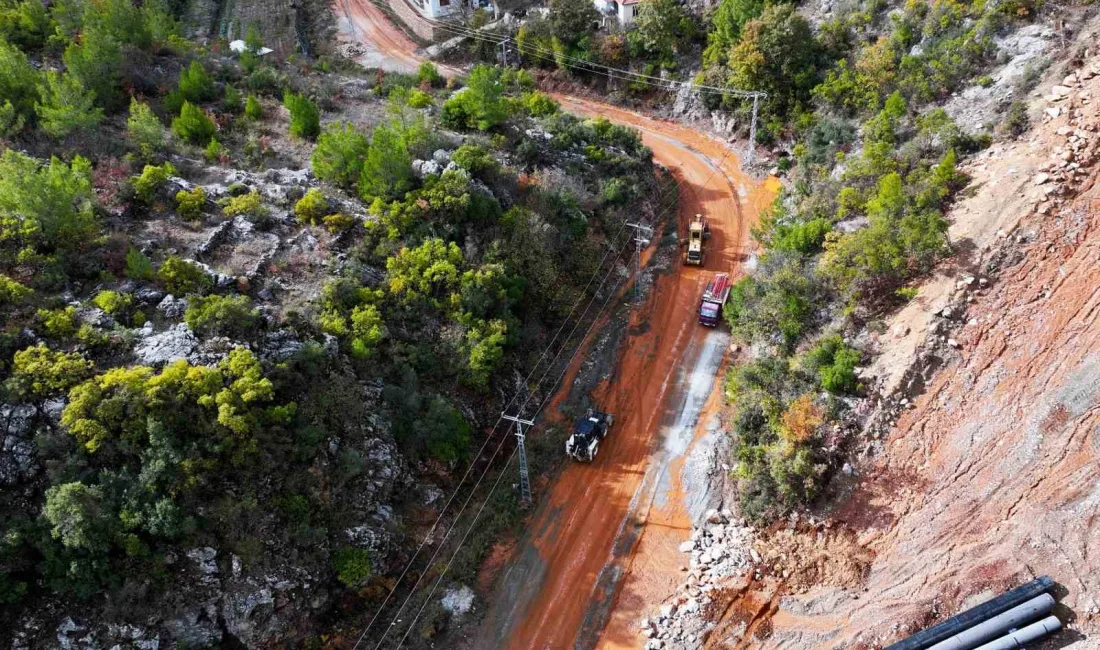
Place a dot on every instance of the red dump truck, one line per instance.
(714, 298)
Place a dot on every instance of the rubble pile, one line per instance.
(719, 549)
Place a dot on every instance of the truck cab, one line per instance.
(714, 299)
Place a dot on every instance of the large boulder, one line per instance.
(177, 342)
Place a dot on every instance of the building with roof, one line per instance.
(624, 11)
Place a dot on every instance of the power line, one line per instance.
(485, 444)
(577, 322)
(590, 66)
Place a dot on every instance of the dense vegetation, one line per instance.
(444, 280)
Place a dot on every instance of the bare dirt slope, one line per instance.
(993, 476)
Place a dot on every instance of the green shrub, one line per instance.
(214, 151)
(12, 292)
(190, 203)
(480, 105)
(250, 206)
(266, 80)
(79, 516)
(387, 169)
(305, 119)
(252, 108)
(312, 207)
(835, 363)
(145, 129)
(152, 180)
(58, 323)
(339, 222)
(232, 100)
(907, 293)
(428, 75)
(231, 316)
(138, 266)
(25, 24)
(39, 372)
(193, 125)
(338, 157)
(475, 160)
(45, 207)
(66, 106)
(96, 60)
(1016, 121)
(114, 303)
(419, 99)
(352, 566)
(181, 277)
(539, 105)
(195, 85)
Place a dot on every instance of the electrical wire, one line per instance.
(611, 249)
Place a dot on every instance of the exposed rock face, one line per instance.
(249, 614)
(177, 342)
(195, 628)
(17, 450)
(172, 307)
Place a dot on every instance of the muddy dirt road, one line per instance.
(385, 45)
(601, 550)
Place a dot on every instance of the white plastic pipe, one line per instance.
(992, 628)
(1027, 635)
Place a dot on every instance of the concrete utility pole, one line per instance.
(752, 129)
(524, 475)
(640, 242)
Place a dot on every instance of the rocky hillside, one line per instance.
(257, 316)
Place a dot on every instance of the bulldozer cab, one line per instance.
(697, 231)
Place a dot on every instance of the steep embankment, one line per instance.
(990, 476)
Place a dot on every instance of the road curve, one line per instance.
(600, 551)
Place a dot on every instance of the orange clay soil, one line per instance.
(561, 584)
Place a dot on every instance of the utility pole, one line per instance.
(504, 53)
(752, 129)
(524, 475)
(639, 243)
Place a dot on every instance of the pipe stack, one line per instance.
(1011, 620)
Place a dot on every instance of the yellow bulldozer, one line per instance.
(698, 233)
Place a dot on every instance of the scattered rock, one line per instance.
(458, 601)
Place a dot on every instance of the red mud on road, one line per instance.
(596, 532)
